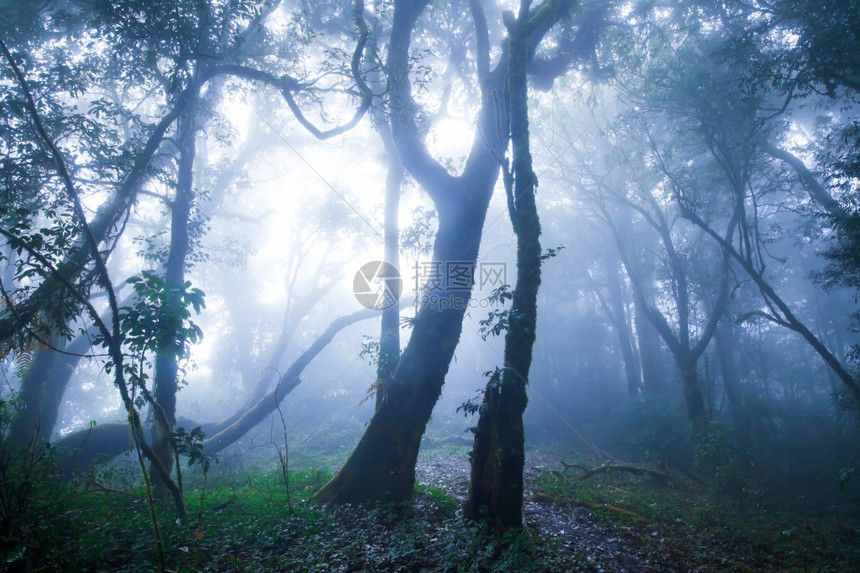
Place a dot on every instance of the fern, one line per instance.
(23, 362)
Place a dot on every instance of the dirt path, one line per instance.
(590, 545)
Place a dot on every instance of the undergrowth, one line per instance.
(685, 525)
(241, 522)
(245, 526)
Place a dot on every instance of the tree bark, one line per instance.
(389, 337)
(498, 455)
(693, 398)
(171, 345)
(382, 466)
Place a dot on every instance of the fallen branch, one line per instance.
(662, 477)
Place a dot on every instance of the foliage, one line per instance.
(27, 489)
(159, 320)
(100, 522)
(191, 445)
(649, 427)
(716, 458)
(369, 349)
(418, 235)
(144, 322)
(498, 319)
(244, 525)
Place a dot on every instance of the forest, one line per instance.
(411, 285)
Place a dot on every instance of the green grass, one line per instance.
(245, 525)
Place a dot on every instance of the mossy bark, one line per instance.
(498, 456)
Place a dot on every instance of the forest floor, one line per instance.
(612, 521)
(580, 540)
(625, 522)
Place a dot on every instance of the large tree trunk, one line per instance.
(498, 455)
(382, 466)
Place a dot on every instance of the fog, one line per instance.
(197, 199)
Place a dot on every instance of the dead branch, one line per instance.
(661, 477)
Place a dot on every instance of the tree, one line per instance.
(382, 466)
(177, 51)
(498, 456)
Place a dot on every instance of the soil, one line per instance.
(602, 547)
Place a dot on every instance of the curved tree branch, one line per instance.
(290, 379)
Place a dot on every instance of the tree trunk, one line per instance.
(693, 398)
(27, 423)
(498, 455)
(650, 352)
(43, 387)
(382, 466)
(725, 341)
(389, 337)
(171, 345)
(618, 309)
(496, 493)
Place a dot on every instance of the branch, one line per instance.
(414, 154)
(662, 477)
(770, 294)
(286, 85)
(816, 191)
(105, 219)
(722, 298)
(266, 405)
(482, 39)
